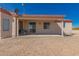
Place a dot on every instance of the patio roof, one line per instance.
(41, 17)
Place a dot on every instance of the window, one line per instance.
(64, 24)
(6, 24)
(46, 25)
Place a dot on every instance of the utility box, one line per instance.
(68, 27)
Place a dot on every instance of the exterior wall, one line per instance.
(68, 28)
(14, 27)
(25, 25)
(0, 25)
(5, 34)
(55, 27)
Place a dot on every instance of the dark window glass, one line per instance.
(64, 25)
(6, 24)
(46, 25)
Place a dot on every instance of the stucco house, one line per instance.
(12, 25)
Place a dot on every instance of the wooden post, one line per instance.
(17, 27)
(14, 27)
(62, 31)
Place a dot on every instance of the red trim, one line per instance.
(67, 20)
(7, 12)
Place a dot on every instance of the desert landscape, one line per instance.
(40, 45)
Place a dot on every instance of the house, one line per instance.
(12, 25)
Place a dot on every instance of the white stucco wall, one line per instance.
(0, 25)
(14, 27)
(55, 28)
(5, 34)
(68, 28)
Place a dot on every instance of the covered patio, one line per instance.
(40, 24)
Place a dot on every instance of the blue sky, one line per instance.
(70, 10)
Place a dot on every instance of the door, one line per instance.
(32, 27)
(20, 27)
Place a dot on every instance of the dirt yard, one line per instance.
(40, 46)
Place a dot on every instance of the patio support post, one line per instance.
(62, 29)
(17, 27)
(14, 27)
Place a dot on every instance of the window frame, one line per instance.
(46, 25)
(6, 24)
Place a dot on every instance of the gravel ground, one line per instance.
(40, 46)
